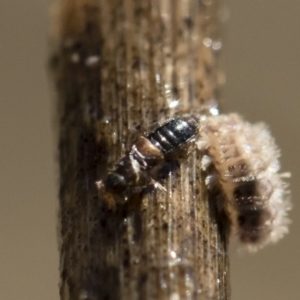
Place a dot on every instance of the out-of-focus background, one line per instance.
(262, 64)
(260, 56)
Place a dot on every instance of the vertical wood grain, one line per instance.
(120, 64)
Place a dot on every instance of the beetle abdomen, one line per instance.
(174, 134)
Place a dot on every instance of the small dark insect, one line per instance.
(132, 173)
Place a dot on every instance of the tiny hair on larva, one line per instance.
(245, 160)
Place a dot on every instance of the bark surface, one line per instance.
(121, 64)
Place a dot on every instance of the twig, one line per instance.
(121, 64)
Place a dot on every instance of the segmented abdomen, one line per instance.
(174, 134)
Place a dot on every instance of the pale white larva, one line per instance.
(245, 159)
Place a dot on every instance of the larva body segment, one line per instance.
(245, 158)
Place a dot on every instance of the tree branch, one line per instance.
(120, 64)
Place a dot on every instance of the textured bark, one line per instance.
(120, 64)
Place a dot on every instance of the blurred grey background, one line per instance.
(261, 48)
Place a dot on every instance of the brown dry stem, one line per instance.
(120, 64)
